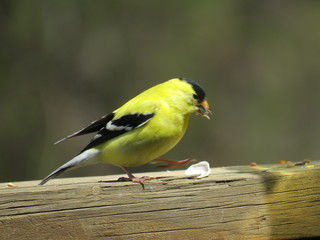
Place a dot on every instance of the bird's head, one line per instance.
(202, 106)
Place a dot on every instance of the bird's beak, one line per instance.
(203, 109)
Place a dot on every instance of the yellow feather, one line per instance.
(173, 103)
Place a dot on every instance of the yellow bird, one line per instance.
(141, 130)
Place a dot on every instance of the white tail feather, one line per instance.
(85, 158)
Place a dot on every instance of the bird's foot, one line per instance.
(136, 179)
(142, 179)
(173, 163)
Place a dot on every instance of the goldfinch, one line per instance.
(141, 130)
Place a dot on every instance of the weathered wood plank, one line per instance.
(267, 202)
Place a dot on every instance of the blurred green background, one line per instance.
(64, 64)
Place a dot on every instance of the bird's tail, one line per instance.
(85, 158)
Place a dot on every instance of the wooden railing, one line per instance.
(241, 202)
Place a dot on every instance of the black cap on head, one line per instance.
(200, 94)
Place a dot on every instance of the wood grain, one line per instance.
(263, 202)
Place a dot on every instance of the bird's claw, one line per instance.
(136, 180)
(142, 179)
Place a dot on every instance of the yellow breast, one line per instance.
(144, 144)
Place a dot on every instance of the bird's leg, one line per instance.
(134, 179)
(173, 163)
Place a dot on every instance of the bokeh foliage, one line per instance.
(66, 63)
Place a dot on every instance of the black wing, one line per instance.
(117, 127)
(95, 126)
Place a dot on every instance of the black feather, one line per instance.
(200, 94)
(132, 120)
(96, 125)
(93, 127)
(118, 127)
